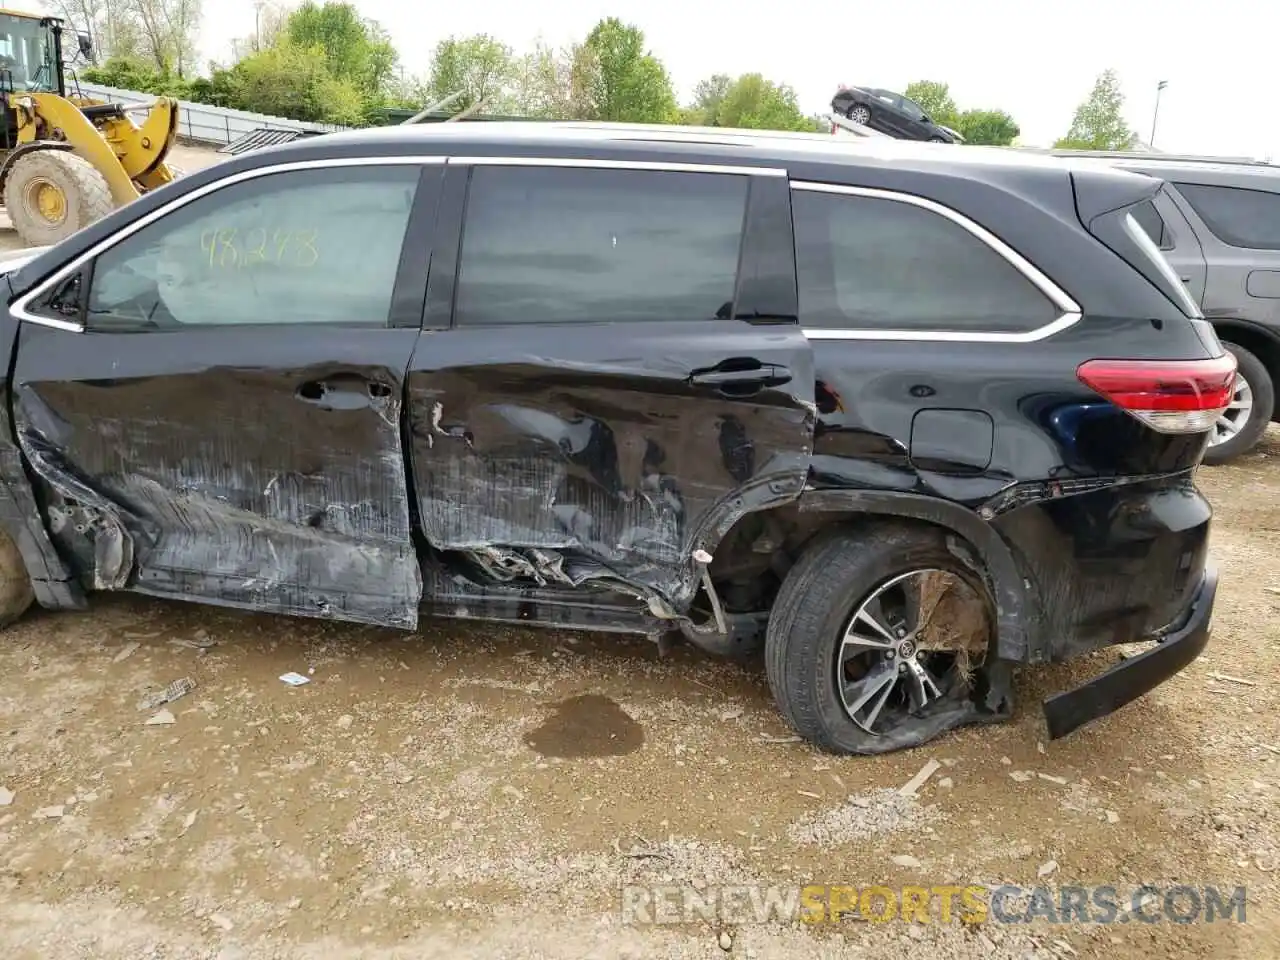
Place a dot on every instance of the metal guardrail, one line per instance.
(206, 123)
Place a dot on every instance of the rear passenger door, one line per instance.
(618, 373)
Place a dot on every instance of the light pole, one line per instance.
(1156, 116)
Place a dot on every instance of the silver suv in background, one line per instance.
(1218, 223)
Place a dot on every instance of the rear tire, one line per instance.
(1253, 385)
(859, 113)
(822, 682)
(16, 594)
(50, 194)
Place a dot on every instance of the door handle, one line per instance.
(765, 375)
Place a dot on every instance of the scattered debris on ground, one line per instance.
(174, 691)
(474, 791)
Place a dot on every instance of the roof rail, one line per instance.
(1154, 156)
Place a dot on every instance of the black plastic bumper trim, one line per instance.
(1130, 679)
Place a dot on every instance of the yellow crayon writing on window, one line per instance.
(233, 248)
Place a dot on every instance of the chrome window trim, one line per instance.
(1070, 310)
(20, 306)
(604, 164)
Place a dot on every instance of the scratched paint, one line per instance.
(553, 474)
(234, 486)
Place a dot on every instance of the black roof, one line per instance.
(674, 143)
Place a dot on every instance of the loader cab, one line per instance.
(30, 53)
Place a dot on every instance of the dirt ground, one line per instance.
(479, 791)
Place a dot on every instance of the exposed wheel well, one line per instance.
(761, 548)
(751, 562)
(1262, 345)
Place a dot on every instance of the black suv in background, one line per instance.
(904, 417)
(1218, 223)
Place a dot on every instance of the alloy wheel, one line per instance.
(860, 114)
(1236, 415)
(907, 645)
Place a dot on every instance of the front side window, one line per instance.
(303, 247)
(913, 109)
(583, 245)
(881, 264)
(1241, 218)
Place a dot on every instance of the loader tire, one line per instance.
(16, 594)
(50, 194)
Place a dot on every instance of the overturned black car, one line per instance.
(903, 421)
(891, 113)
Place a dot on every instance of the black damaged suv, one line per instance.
(906, 418)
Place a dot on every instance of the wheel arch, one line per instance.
(1261, 341)
(1017, 636)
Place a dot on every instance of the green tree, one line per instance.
(480, 66)
(354, 50)
(135, 73)
(112, 24)
(288, 80)
(708, 96)
(1099, 122)
(749, 102)
(548, 84)
(987, 127)
(935, 99)
(167, 32)
(618, 79)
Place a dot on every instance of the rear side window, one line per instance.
(1153, 224)
(879, 264)
(581, 245)
(1241, 218)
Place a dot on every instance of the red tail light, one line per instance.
(1171, 396)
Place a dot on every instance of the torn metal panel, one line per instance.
(597, 605)
(194, 476)
(609, 460)
(51, 578)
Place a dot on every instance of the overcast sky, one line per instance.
(1036, 59)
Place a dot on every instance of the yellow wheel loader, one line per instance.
(68, 160)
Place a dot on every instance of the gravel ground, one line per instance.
(482, 791)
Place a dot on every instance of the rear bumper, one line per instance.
(1130, 679)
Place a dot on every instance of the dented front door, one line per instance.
(227, 428)
(603, 407)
